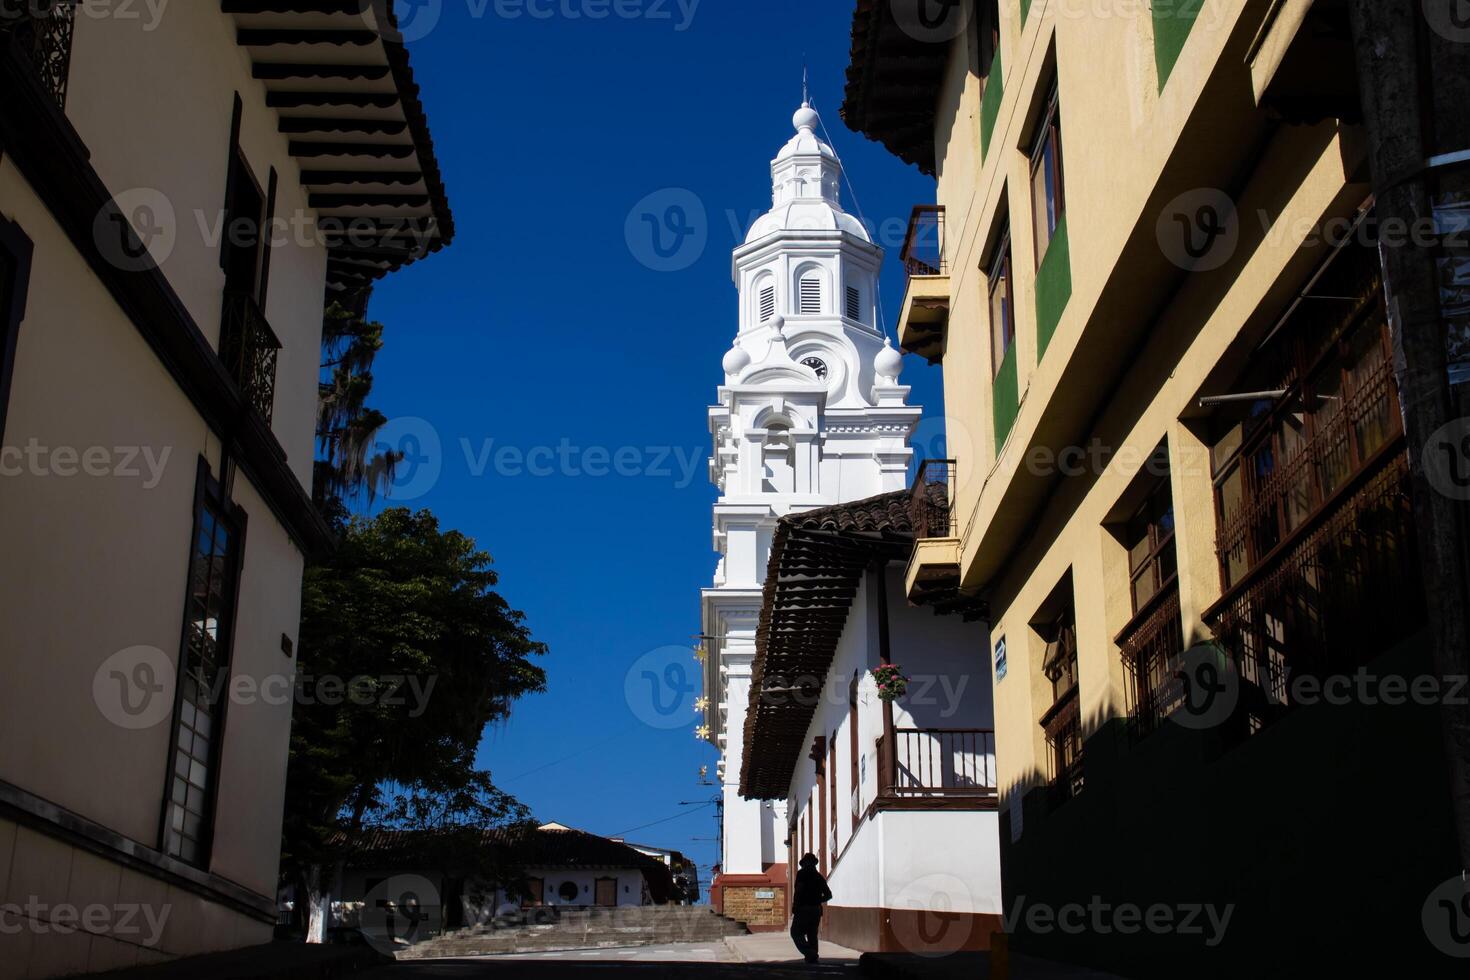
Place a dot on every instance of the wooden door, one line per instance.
(607, 892)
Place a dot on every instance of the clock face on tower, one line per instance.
(817, 365)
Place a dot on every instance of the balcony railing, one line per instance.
(931, 501)
(44, 33)
(1062, 725)
(940, 762)
(250, 349)
(1341, 590)
(923, 246)
(1151, 647)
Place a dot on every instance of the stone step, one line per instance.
(585, 929)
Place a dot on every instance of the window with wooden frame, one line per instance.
(1062, 722)
(1280, 458)
(15, 274)
(1002, 303)
(203, 673)
(1048, 199)
(1149, 538)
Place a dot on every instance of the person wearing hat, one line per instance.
(808, 894)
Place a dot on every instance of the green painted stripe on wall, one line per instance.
(1005, 400)
(990, 103)
(1173, 20)
(1053, 287)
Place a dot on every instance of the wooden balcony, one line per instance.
(937, 769)
(924, 317)
(249, 348)
(1342, 589)
(932, 577)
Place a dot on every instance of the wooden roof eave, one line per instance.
(340, 80)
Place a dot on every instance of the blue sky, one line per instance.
(543, 325)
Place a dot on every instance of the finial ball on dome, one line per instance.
(889, 362)
(736, 359)
(806, 118)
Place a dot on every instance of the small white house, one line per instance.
(896, 798)
(429, 886)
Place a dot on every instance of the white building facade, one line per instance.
(810, 414)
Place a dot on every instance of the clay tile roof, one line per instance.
(893, 80)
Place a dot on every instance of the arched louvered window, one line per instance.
(767, 304)
(854, 303)
(809, 297)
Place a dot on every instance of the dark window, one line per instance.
(1002, 306)
(984, 35)
(204, 673)
(1062, 722)
(1150, 542)
(1048, 202)
(854, 303)
(244, 243)
(15, 273)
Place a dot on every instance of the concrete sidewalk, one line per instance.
(776, 947)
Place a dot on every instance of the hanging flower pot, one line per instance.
(891, 682)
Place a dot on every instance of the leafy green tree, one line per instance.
(407, 653)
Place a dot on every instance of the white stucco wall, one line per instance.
(904, 859)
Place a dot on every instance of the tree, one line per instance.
(346, 464)
(407, 652)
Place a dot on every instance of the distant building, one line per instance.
(494, 873)
(181, 193)
(684, 870)
(810, 414)
(894, 795)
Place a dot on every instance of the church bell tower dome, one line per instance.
(806, 191)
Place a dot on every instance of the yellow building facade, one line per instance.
(1179, 480)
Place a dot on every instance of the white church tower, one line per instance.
(810, 414)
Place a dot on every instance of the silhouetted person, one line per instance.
(808, 894)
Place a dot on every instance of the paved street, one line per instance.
(768, 955)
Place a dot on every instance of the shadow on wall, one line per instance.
(1213, 852)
